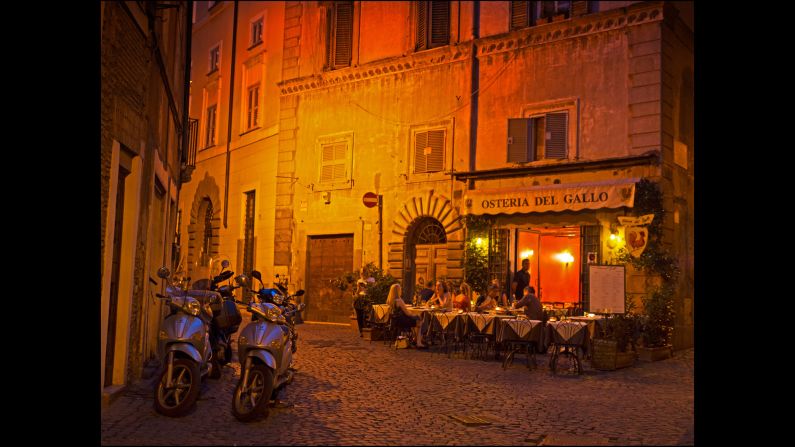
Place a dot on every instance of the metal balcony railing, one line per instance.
(189, 153)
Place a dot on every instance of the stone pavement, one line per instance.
(353, 392)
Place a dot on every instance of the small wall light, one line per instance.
(527, 254)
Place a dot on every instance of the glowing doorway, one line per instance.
(554, 255)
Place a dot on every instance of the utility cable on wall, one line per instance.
(452, 112)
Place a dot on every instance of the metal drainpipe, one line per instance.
(186, 95)
(229, 120)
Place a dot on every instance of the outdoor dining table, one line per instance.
(520, 335)
(380, 313)
(568, 335)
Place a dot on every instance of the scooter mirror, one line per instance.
(163, 272)
(225, 264)
(300, 292)
(256, 274)
(241, 280)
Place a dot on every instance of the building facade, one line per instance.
(144, 159)
(229, 209)
(542, 116)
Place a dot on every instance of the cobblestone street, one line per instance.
(349, 391)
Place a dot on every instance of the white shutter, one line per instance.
(332, 162)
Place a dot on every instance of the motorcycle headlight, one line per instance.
(193, 307)
(274, 313)
(278, 299)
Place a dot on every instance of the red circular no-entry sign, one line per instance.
(370, 199)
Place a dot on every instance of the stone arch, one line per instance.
(207, 193)
(418, 212)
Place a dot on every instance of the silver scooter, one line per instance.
(184, 343)
(265, 353)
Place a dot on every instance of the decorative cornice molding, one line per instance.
(590, 24)
(578, 27)
(376, 69)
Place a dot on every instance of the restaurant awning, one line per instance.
(561, 197)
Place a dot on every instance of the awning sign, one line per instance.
(540, 199)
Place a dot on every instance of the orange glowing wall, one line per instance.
(559, 281)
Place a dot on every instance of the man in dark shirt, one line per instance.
(427, 292)
(521, 279)
(532, 305)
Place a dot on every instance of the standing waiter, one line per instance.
(521, 279)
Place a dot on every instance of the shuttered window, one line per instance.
(429, 151)
(541, 137)
(215, 59)
(555, 136)
(520, 15)
(252, 114)
(333, 161)
(433, 24)
(211, 120)
(550, 9)
(340, 35)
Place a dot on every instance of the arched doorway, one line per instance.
(204, 228)
(425, 253)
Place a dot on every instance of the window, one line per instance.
(215, 58)
(248, 233)
(210, 136)
(207, 241)
(335, 153)
(332, 164)
(433, 24)
(256, 32)
(429, 151)
(253, 107)
(539, 137)
(524, 14)
(340, 35)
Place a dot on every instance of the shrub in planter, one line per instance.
(615, 348)
(658, 324)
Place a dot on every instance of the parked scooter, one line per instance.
(265, 354)
(282, 298)
(226, 318)
(184, 343)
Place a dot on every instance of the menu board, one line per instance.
(606, 289)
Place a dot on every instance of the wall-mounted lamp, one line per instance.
(564, 257)
(527, 254)
(326, 197)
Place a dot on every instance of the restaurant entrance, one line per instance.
(555, 262)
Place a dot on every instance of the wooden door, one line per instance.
(430, 261)
(328, 257)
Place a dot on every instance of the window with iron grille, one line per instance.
(204, 256)
(429, 151)
(256, 32)
(253, 107)
(339, 41)
(433, 24)
(248, 234)
(590, 243)
(210, 128)
(498, 258)
(537, 138)
(215, 59)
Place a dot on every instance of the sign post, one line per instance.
(370, 200)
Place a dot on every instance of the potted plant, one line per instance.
(377, 289)
(615, 347)
(658, 322)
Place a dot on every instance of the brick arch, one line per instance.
(414, 210)
(206, 189)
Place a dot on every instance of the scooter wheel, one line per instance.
(250, 401)
(179, 399)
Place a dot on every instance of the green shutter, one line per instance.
(440, 24)
(556, 135)
(519, 15)
(519, 140)
(422, 25)
(343, 34)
